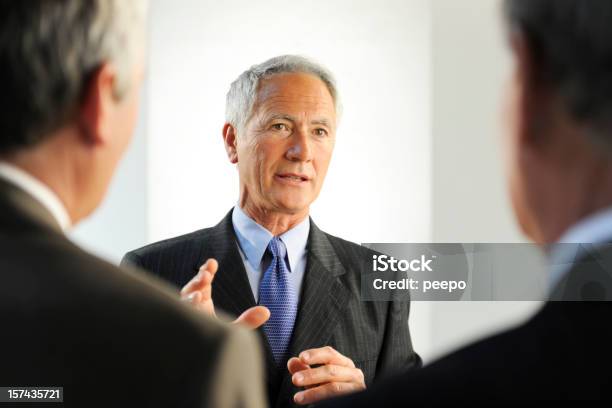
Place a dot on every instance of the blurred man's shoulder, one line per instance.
(64, 276)
(72, 312)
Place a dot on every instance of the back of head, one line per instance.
(70, 73)
(559, 112)
(48, 51)
(570, 42)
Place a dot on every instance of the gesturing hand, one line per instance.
(198, 293)
(335, 376)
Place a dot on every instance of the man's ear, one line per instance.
(532, 97)
(97, 103)
(230, 138)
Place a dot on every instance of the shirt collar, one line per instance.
(38, 190)
(254, 239)
(594, 229)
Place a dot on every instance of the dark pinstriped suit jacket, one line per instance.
(374, 335)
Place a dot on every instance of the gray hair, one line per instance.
(243, 91)
(48, 51)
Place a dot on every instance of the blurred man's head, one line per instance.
(71, 72)
(560, 112)
(280, 129)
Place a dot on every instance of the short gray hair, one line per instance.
(48, 51)
(243, 91)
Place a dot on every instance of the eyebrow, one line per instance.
(282, 116)
(321, 121)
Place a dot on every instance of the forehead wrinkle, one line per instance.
(280, 83)
(295, 99)
(282, 107)
(275, 98)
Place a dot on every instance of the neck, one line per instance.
(49, 163)
(580, 193)
(276, 222)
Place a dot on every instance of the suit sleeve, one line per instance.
(239, 377)
(397, 354)
(132, 259)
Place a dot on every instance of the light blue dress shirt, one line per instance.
(253, 239)
(595, 229)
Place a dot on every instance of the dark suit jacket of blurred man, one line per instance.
(561, 354)
(109, 337)
(374, 335)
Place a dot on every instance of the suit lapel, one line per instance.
(231, 288)
(324, 297)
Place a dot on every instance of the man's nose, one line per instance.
(300, 148)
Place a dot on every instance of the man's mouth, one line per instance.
(294, 177)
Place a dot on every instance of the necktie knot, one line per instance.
(277, 248)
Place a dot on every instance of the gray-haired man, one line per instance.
(321, 340)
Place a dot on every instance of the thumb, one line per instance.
(253, 317)
(295, 364)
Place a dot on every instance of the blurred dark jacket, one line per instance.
(110, 337)
(562, 354)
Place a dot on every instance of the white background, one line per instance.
(417, 157)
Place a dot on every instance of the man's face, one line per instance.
(284, 150)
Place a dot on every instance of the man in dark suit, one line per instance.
(559, 159)
(321, 340)
(71, 73)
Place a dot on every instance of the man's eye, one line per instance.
(280, 126)
(320, 132)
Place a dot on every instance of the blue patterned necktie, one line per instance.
(277, 294)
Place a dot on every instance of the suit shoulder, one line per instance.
(354, 257)
(349, 247)
(173, 244)
(85, 303)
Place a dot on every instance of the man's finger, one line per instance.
(203, 278)
(295, 364)
(198, 283)
(327, 374)
(211, 266)
(325, 355)
(194, 298)
(254, 317)
(323, 392)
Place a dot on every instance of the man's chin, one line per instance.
(293, 208)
